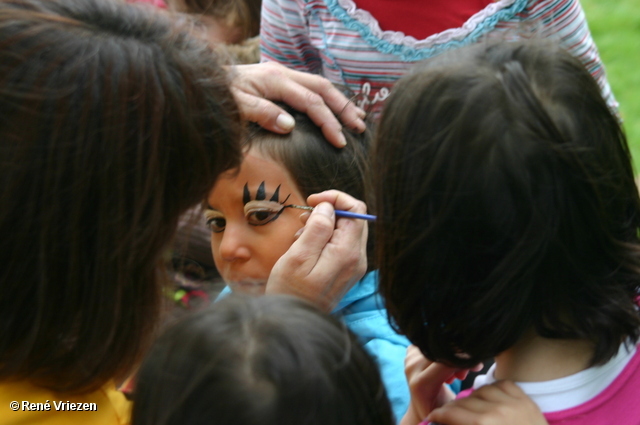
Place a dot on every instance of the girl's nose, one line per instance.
(234, 245)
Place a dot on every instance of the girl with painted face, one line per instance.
(252, 225)
(248, 210)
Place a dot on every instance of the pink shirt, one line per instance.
(618, 403)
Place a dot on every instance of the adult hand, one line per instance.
(502, 402)
(312, 94)
(328, 257)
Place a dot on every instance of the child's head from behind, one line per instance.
(112, 124)
(250, 228)
(506, 202)
(267, 360)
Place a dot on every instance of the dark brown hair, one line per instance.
(244, 14)
(267, 360)
(506, 202)
(112, 124)
(314, 164)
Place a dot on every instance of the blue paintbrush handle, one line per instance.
(347, 214)
(339, 213)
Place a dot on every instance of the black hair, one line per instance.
(506, 202)
(268, 360)
(244, 14)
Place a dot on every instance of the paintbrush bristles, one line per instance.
(300, 207)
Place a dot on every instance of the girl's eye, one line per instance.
(259, 213)
(261, 217)
(216, 224)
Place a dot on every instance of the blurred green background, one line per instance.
(615, 26)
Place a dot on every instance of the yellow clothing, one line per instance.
(106, 406)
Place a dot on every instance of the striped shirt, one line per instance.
(345, 44)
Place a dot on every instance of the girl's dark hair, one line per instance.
(313, 163)
(267, 360)
(506, 202)
(244, 14)
(112, 124)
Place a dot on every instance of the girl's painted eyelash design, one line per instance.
(261, 194)
(260, 209)
(258, 212)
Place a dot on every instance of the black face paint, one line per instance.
(246, 196)
(261, 194)
(276, 195)
(258, 212)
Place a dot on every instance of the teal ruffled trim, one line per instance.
(410, 54)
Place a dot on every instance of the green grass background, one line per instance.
(615, 26)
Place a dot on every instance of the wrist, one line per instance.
(410, 418)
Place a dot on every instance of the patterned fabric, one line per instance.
(346, 45)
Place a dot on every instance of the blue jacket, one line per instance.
(362, 309)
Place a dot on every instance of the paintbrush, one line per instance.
(339, 213)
